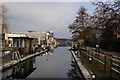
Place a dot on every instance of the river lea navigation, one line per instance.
(57, 63)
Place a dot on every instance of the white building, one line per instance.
(39, 35)
(10, 42)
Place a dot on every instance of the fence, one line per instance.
(94, 55)
(114, 65)
(101, 58)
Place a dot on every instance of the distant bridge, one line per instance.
(64, 41)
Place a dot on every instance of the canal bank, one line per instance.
(14, 62)
(87, 74)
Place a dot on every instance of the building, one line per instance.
(49, 37)
(18, 42)
(24, 41)
(32, 34)
(0, 42)
(43, 38)
(7, 41)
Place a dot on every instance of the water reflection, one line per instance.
(50, 52)
(21, 70)
(56, 63)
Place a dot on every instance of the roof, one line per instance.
(22, 37)
(33, 34)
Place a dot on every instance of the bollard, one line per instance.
(93, 76)
(90, 60)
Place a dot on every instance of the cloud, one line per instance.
(42, 16)
(53, 0)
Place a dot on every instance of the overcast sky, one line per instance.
(43, 16)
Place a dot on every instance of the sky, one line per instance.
(44, 16)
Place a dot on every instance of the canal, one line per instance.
(57, 63)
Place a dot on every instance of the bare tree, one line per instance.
(80, 27)
(107, 21)
(3, 18)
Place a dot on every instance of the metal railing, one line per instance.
(101, 58)
(96, 56)
(114, 64)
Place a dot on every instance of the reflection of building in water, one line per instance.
(50, 52)
(51, 49)
(21, 71)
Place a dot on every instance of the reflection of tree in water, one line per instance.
(74, 71)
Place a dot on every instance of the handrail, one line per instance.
(116, 65)
(112, 64)
(97, 59)
(115, 70)
(98, 53)
(115, 60)
(116, 56)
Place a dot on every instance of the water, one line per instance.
(57, 63)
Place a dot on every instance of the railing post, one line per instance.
(104, 64)
(111, 66)
(80, 52)
(97, 58)
(92, 55)
(88, 54)
(77, 53)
